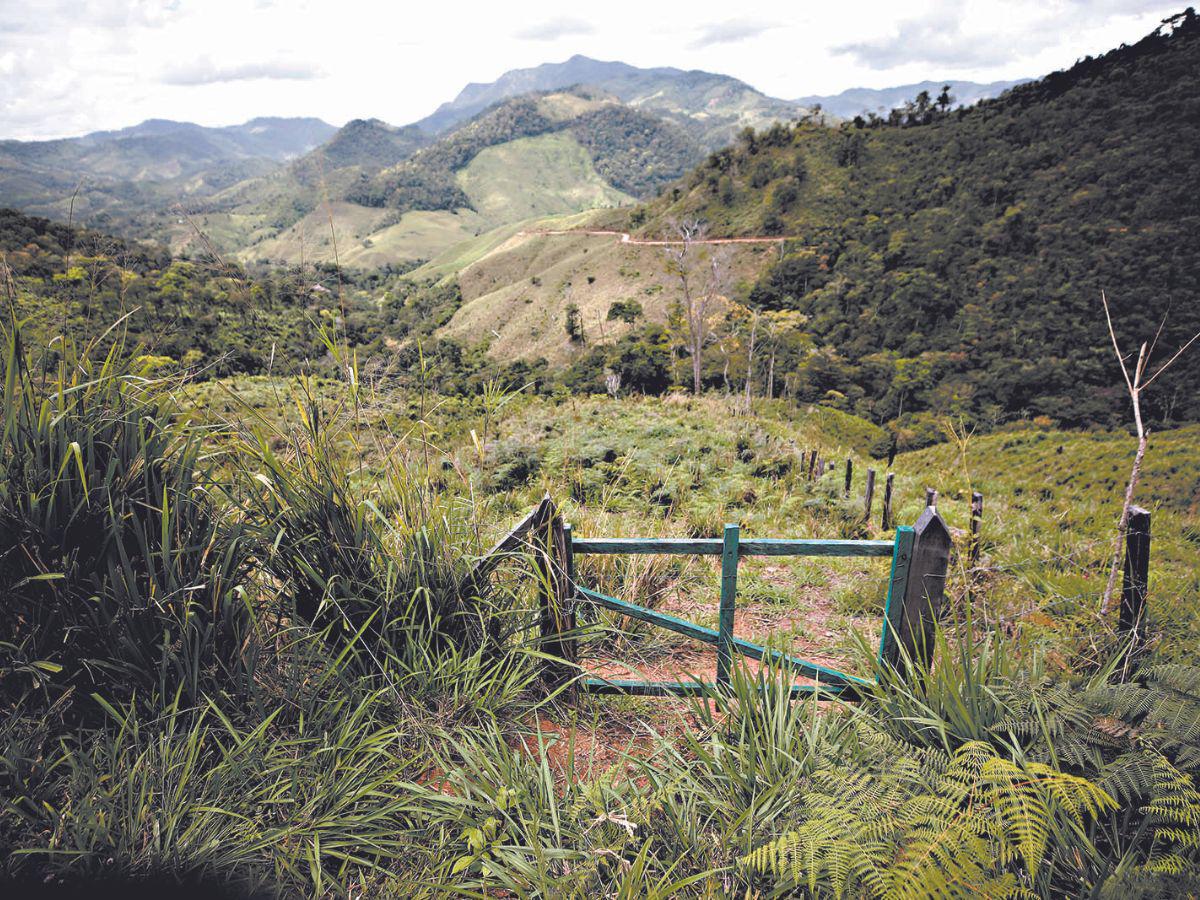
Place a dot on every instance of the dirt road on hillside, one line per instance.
(627, 238)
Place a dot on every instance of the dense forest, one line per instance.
(952, 261)
(211, 319)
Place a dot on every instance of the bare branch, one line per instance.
(1178, 353)
(1116, 347)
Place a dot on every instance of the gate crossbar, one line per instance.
(731, 549)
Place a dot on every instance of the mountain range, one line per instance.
(557, 138)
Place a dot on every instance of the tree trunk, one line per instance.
(1134, 474)
(750, 359)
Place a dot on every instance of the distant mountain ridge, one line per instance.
(860, 101)
(709, 106)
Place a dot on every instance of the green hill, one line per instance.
(954, 261)
(533, 156)
(127, 178)
(636, 151)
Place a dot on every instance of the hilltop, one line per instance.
(861, 101)
(710, 107)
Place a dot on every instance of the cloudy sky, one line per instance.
(72, 66)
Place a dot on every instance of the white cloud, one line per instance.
(204, 71)
(553, 29)
(730, 32)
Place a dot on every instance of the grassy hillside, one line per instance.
(509, 183)
(516, 296)
(954, 262)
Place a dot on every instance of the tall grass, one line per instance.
(118, 568)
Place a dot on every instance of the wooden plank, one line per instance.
(804, 547)
(911, 631)
(885, 521)
(812, 465)
(749, 547)
(897, 580)
(556, 618)
(728, 603)
(636, 688)
(514, 539)
(692, 546)
(869, 495)
(664, 620)
(709, 636)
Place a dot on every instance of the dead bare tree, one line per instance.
(1135, 383)
(703, 277)
(750, 358)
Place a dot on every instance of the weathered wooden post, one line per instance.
(555, 590)
(885, 521)
(812, 465)
(1136, 582)
(869, 497)
(849, 476)
(976, 527)
(729, 567)
(820, 469)
(930, 497)
(912, 616)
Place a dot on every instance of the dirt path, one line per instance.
(627, 238)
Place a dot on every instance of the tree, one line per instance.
(945, 99)
(627, 311)
(704, 276)
(574, 324)
(1135, 383)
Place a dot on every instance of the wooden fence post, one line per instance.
(812, 465)
(1136, 582)
(976, 527)
(911, 622)
(820, 469)
(869, 497)
(930, 497)
(729, 567)
(555, 590)
(849, 475)
(885, 521)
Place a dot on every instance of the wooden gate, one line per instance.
(919, 554)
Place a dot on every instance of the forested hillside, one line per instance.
(952, 262)
(208, 319)
(636, 152)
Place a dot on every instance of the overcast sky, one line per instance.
(72, 66)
